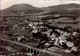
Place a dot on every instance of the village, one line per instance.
(42, 34)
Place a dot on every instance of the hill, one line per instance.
(64, 9)
(22, 8)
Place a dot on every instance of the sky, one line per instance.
(36, 3)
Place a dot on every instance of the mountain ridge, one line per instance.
(65, 8)
(22, 8)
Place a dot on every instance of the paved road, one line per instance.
(23, 45)
(28, 46)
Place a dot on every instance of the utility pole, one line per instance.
(0, 4)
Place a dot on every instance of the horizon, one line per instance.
(36, 3)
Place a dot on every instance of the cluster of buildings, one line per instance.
(68, 41)
(35, 33)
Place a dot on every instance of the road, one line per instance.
(28, 46)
